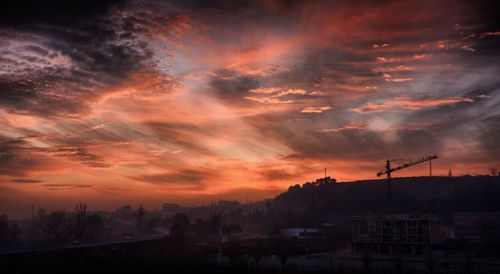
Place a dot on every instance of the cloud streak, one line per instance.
(401, 104)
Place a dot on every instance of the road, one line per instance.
(15, 250)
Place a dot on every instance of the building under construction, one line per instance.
(395, 234)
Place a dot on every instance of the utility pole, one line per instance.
(32, 216)
(388, 171)
(430, 168)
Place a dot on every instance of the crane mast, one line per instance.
(389, 170)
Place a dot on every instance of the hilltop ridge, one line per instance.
(440, 195)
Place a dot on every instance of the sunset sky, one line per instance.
(145, 102)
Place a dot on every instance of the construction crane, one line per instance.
(388, 170)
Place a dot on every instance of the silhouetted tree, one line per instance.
(15, 233)
(468, 264)
(282, 251)
(56, 227)
(50, 229)
(488, 230)
(230, 229)
(81, 212)
(214, 221)
(152, 224)
(4, 230)
(139, 218)
(259, 251)
(93, 227)
(39, 227)
(10, 232)
(235, 215)
(78, 228)
(180, 224)
(125, 213)
(446, 267)
(493, 171)
(233, 252)
(398, 261)
(431, 263)
(225, 230)
(367, 260)
(235, 228)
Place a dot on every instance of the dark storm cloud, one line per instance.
(27, 181)
(182, 134)
(302, 134)
(35, 12)
(29, 97)
(448, 117)
(369, 145)
(80, 154)
(231, 85)
(229, 6)
(82, 186)
(56, 185)
(78, 149)
(74, 54)
(466, 122)
(184, 179)
(333, 71)
(19, 158)
(490, 136)
(37, 50)
(347, 145)
(330, 66)
(299, 134)
(278, 174)
(16, 158)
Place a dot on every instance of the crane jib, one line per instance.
(389, 170)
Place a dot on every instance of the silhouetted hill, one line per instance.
(439, 195)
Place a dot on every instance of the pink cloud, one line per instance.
(421, 56)
(355, 125)
(490, 33)
(399, 80)
(316, 109)
(468, 48)
(384, 45)
(407, 104)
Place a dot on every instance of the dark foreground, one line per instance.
(154, 256)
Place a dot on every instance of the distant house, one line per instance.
(325, 181)
(228, 204)
(476, 226)
(448, 232)
(299, 233)
(170, 207)
(395, 234)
